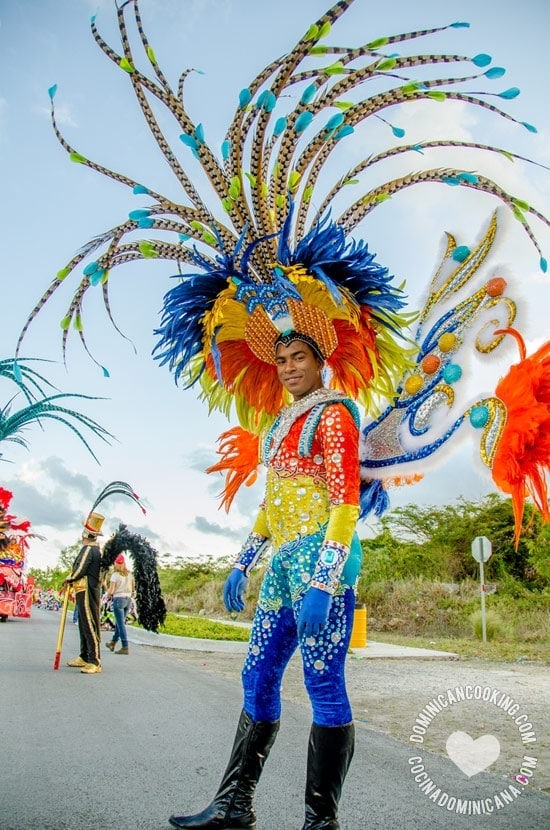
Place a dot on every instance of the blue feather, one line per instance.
(373, 498)
(325, 252)
(216, 356)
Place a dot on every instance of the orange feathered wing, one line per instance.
(240, 456)
(522, 459)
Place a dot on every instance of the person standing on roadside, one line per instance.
(121, 589)
(84, 580)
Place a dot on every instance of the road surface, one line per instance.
(150, 736)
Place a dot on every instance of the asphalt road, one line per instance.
(150, 736)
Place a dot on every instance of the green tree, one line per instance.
(538, 565)
(67, 556)
(436, 542)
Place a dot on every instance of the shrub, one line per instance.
(493, 624)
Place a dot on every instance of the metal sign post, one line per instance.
(481, 551)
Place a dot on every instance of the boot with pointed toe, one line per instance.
(232, 807)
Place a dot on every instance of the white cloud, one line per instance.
(63, 115)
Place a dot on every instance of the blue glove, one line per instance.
(233, 590)
(313, 614)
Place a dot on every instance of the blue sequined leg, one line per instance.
(324, 664)
(273, 640)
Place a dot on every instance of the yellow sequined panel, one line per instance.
(295, 506)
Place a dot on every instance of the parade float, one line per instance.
(16, 589)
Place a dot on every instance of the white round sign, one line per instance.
(481, 549)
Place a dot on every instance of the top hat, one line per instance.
(93, 524)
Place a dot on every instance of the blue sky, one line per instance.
(50, 207)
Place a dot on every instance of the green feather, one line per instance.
(376, 44)
(147, 249)
(386, 63)
(437, 95)
(125, 64)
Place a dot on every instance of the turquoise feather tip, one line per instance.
(398, 132)
(91, 268)
(280, 126)
(509, 94)
(495, 72)
(482, 59)
(17, 372)
(139, 213)
(347, 129)
(303, 121)
(245, 96)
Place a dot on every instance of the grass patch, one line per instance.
(203, 629)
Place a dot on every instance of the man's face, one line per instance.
(298, 368)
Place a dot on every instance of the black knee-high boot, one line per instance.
(330, 751)
(232, 807)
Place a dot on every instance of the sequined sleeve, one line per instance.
(255, 545)
(339, 436)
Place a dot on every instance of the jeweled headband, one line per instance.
(288, 337)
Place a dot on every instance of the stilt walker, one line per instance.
(282, 316)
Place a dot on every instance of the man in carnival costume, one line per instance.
(308, 516)
(274, 285)
(84, 580)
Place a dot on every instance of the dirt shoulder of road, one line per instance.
(423, 702)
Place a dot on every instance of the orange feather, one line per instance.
(240, 456)
(522, 458)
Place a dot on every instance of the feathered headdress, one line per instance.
(276, 251)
